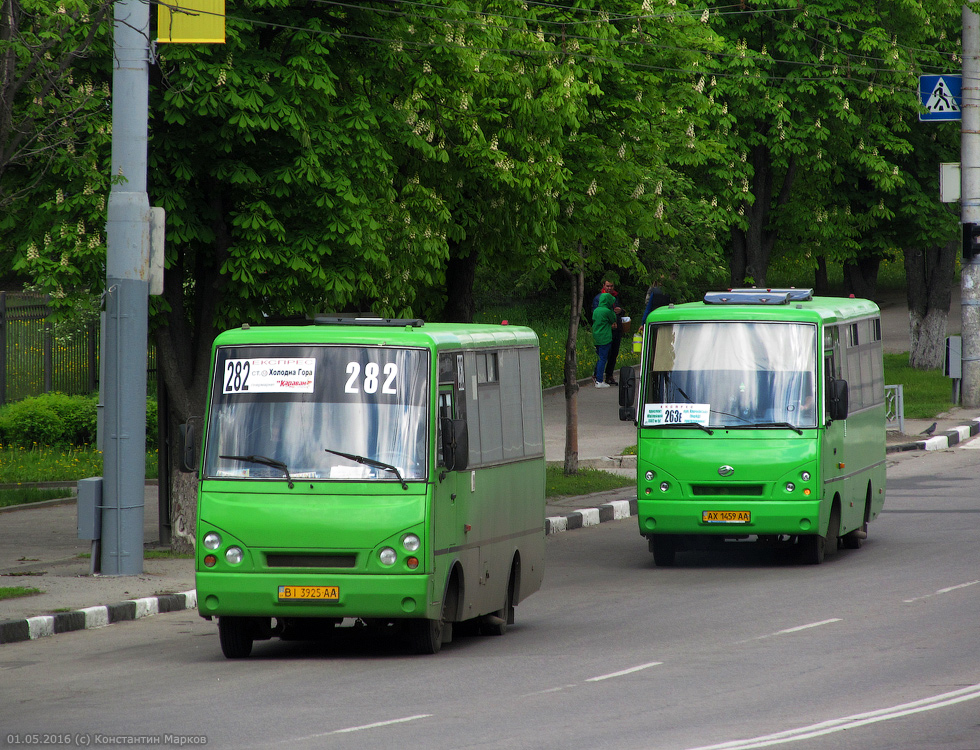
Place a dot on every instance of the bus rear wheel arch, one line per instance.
(854, 538)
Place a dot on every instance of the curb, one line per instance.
(940, 442)
(32, 628)
(583, 517)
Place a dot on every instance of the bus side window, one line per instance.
(445, 412)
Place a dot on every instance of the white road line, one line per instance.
(942, 591)
(624, 672)
(798, 628)
(851, 722)
(348, 730)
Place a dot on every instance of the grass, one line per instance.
(52, 464)
(926, 393)
(585, 482)
(15, 592)
(24, 495)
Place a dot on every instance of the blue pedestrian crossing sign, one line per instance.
(941, 96)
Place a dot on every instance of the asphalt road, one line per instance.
(876, 649)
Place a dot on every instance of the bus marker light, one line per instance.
(210, 560)
(806, 491)
(647, 491)
(412, 563)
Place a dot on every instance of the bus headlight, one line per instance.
(790, 486)
(388, 556)
(664, 486)
(805, 476)
(212, 540)
(411, 542)
(650, 475)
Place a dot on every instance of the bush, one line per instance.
(28, 422)
(55, 419)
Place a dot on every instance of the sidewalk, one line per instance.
(39, 546)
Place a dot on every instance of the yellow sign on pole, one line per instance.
(191, 21)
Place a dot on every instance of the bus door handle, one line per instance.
(452, 497)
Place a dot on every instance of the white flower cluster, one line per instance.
(32, 252)
(593, 188)
(659, 213)
(704, 16)
(638, 191)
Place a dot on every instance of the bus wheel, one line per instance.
(235, 635)
(812, 549)
(664, 549)
(832, 542)
(853, 539)
(428, 635)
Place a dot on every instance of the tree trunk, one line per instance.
(184, 360)
(460, 279)
(929, 286)
(577, 278)
(752, 246)
(861, 278)
(821, 282)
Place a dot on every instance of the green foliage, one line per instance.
(58, 420)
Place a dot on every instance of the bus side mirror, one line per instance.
(188, 448)
(455, 444)
(838, 404)
(627, 394)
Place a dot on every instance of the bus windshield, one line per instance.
(318, 412)
(731, 374)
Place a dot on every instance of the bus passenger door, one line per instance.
(446, 499)
(833, 462)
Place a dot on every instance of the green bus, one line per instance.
(369, 472)
(760, 416)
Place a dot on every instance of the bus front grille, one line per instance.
(310, 561)
(716, 490)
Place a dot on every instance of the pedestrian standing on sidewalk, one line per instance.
(609, 287)
(603, 325)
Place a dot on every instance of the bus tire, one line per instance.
(812, 548)
(235, 635)
(832, 543)
(664, 549)
(427, 635)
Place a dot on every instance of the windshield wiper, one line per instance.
(686, 424)
(787, 425)
(371, 462)
(265, 461)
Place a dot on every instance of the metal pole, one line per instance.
(127, 265)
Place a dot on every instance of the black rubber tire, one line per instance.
(664, 549)
(235, 635)
(505, 614)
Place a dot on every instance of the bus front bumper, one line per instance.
(366, 596)
(729, 518)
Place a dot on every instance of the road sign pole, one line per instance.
(970, 209)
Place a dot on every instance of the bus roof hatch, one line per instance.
(758, 296)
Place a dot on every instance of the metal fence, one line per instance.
(34, 361)
(895, 408)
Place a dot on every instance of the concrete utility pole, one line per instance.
(127, 265)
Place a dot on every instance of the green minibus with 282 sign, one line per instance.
(369, 472)
(760, 415)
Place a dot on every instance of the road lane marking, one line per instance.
(941, 591)
(851, 722)
(348, 730)
(797, 629)
(624, 672)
